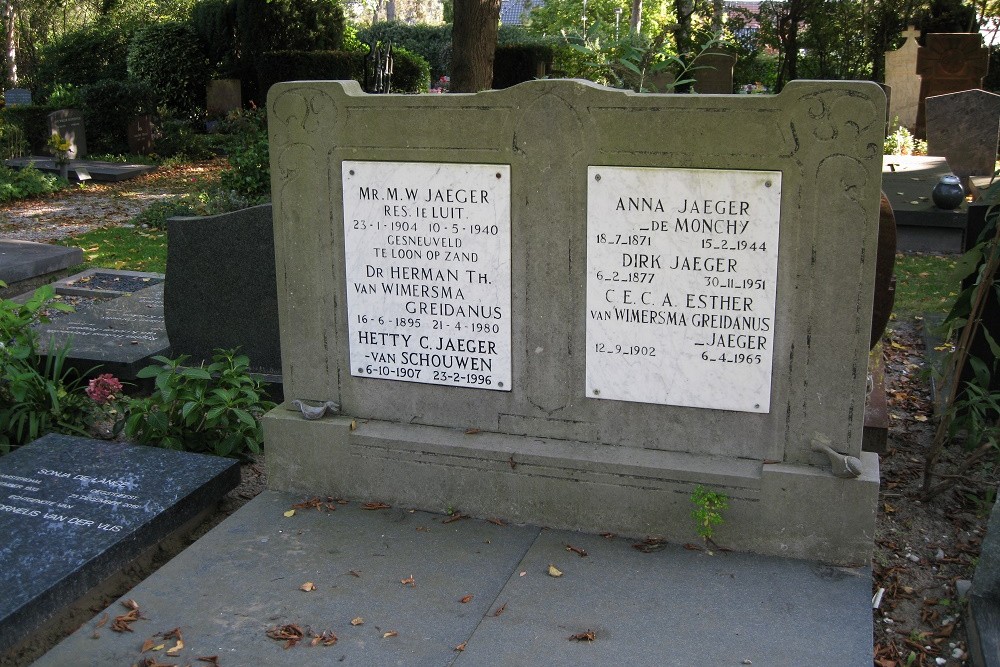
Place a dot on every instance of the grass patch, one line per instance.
(924, 284)
(123, 248)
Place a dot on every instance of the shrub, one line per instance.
(33, 123)
(13, 143)
(249, 173)
(432, 43)
(517, 63)
(27, 182)
(155, 215)
(38, 394)
(108, 108)
(411, 73)
(168, 56)
(215, 23)
(82, 57)
(272, 25)
(182, 139)
(215, 408)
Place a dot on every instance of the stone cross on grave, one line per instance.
(949, 63)
(911, 33)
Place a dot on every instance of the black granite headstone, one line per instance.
(119, 335)
(221, 290)
(68, 124)
(73, 511)
(141, 135)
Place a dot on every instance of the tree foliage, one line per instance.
(168, 56)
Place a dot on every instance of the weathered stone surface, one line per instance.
(713, 73)
(901, 76)
(963, 127)
(68, 124)
(220, 290)
(73, 511)
(544, 451)
(949, 63)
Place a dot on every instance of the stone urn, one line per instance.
(948, 194)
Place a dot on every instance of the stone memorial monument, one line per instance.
(949, 63)
(142, 134)
(570, 305)
(713, 73)
(223, 96)
(901, 76)
(68, 124)
(963, 127)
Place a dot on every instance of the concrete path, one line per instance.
(468, 592)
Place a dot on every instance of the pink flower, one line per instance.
(103, 388)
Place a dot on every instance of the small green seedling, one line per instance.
(707, 512)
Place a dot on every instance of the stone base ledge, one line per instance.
(780, 509)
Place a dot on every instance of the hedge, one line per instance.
(411, 73)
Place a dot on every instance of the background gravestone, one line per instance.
(74, 511)
(16, 97)
(141, 135)
(901, 76)
(223, 96)
(963, 127)
(68, 124)
(220, 290)
(713, 73)
(560, 209)
(949, 63)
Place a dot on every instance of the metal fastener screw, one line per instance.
(597, 392)
(767, 184)
(597, 177)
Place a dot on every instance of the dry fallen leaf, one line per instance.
(130, 604)
(460, 647)
(587, 636)
(471, 431)
(465, 599)
(176, 648)
(497, 522)
(289, 513)
(214, 659)
(500, 609)
(290, 634)
(408, 581)
(650, 544)
(357, 621)
(375, 506)
(457, 516)
(147, 645)
(355, 573)
(354, 424)
(577, 550)
(101, 621)
(308, 586)
(553, 571)
(391, 633)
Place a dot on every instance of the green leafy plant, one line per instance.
(27, 182)
(214, 408)
(901, 142)
(249, 173)
(155, 215)
(38, 393)
(708, 509)
(169, 57)
(968, 405)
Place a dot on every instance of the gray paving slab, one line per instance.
(672, 607)
(244, 577)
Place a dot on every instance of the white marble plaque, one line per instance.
(427, 248)
(681, 272)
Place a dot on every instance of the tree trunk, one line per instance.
(635, 18)
(10, 35)
(682, 33)
(718, 10)
(474, 43)
(788, 34)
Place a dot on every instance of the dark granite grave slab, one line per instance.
(106, 282)
(74, 510)
(23, 260)
(907, 180)
(983, 613)
(119, 335)
(68, 124)
(98, 171)
(221, 290)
